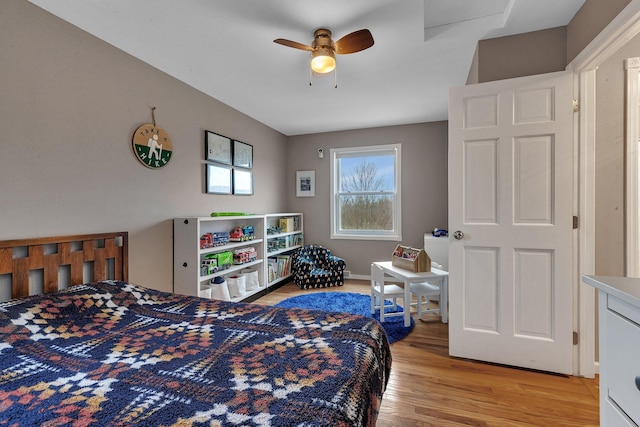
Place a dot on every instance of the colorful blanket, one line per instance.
(117, 354)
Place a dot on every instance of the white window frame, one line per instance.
(396, 233)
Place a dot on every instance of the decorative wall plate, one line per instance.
(152, 146)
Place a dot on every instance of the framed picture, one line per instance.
(305, 183)
(242, 154)
(217, 148)
(218, 179)
(242, 182)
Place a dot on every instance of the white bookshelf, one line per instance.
(187, 254)
(281, 242)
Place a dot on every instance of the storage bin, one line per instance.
(220, 289)
(412, 259)
(205, 291)
(237, 285)
(252, 279)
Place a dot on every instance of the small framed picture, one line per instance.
(242, 182)
(305, 183)
(242, 154)
(218, 179)
(217, 148)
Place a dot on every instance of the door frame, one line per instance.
(616, 34)
(632, 236)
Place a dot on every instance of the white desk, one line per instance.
(408, 277)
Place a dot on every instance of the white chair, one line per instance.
(380, 291)
(425, 292)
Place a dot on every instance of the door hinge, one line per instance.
(576, 222)
(576, 105)
(575, 338)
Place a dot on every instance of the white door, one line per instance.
(511, 197)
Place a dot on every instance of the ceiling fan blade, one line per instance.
(354, 42)
(292, 44)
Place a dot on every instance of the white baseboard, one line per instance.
(358, 277)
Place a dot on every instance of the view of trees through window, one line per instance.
(366, 193)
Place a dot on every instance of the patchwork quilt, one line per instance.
(117, 354)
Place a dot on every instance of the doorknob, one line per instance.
(458, 235)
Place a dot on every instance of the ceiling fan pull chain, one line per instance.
(335, 78)
(310, 77)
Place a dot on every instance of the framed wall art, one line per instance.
(305, 183)
(217, 148)
(242, 154)
(242, 182)
(218, 179)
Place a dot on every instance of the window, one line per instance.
(366, 193)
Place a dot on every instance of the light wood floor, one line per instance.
(429, 388)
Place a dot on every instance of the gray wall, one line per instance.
(542, 51)
(537, 52)
(590, 20)
(69, 104)
(424, 187)
(610, 155)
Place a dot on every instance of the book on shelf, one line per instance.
(272, 270)
(279, 266)
(286, 225)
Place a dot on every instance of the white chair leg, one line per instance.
(419, 306)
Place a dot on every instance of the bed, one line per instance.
(106, 351)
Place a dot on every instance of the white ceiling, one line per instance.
(225, 49)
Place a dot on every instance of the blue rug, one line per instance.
(348, 302)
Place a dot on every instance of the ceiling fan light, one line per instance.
(323, 61)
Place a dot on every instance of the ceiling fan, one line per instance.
(323, 49)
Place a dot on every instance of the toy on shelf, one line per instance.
(210, 240)
(273, 230)
(437, 232)
(244, 255)
(212, 263)
(209, 265)
(249, 232)
(206, 241)
(242, 234)
(214, 214)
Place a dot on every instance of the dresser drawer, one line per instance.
(610, 416)
(623, 363)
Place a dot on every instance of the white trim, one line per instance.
(586, 230)
(632, 234)
(615, 35)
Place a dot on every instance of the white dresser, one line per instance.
(438, 250)
(619, 329)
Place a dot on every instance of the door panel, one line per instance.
(534, 291)
(510, 192)
(481, 181)
(481, 289)
(533, 179)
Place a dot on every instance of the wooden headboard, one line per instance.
(81, 258)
